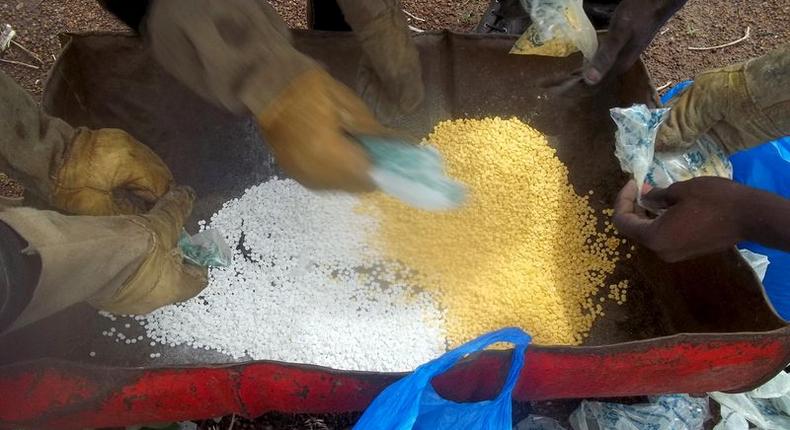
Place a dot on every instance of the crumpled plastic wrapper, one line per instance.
(206, 249)
(560, 28)
(413, 174)
(635, 143)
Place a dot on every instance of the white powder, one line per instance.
(306, 289)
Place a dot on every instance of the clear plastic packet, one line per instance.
(635, 141)
(207, 249)
(535, 422)
(670, 412)
(758, 262)
(559, 28)
(6, 35)
(766, 407)
(412, 173)
(705, 158)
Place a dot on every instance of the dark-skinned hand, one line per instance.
(633, 26)
(699, 216)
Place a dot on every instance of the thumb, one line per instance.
(170, 212)
(660, 198)
(605, 57)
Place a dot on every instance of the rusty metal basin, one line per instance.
(697, 326)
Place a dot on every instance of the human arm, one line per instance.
(75, 170)
(128, 264)
(737, 106)
(238, 55)
(702, 216)
(631, 29)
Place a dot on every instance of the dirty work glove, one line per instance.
(238, 54)
(632, 27)
(80, 171)
(309, 128)
(108, 172)
(390, 76)
(739, 106)
(163, 277)
(123, 264)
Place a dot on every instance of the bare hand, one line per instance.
(700, 216)
(633, 26)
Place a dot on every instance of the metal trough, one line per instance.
(697, 326)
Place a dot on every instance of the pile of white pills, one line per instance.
(304, 286)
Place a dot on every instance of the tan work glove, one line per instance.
(390, 77)
(122, 264)
(309, 126)
(739, 106)
(108, 172)
(80, 171)
(238, 54)
(163, 277)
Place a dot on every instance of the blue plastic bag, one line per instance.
(766, 167)
(412, 403)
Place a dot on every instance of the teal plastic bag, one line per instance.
(206, 249)
(412, 173)
(412, 403)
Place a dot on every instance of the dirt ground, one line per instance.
(701, 23)
(706, 23)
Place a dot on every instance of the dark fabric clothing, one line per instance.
(325, 15)
(132, 12)
(19, 275)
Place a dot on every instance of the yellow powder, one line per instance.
(524, 251)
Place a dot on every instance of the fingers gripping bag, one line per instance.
(635, 143)
(559, 28)
(412, 404)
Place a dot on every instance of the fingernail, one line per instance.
(592, 76)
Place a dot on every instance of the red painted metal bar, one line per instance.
(48, 394)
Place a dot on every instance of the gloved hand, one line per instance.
(108, 172)
(163, 277)
(308, 127)
(123, 264)
(237, 54)
(80, 171)
(633, 26)
(390, 78)
(738, 106)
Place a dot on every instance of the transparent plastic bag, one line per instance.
(535, 422)
(412, 173)
(635, 142)
(670, 412)
(207, 249)
(705, 158)
(635, 139)
(758, 262)
(765, 407)
(731, 420)
(557, 25)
